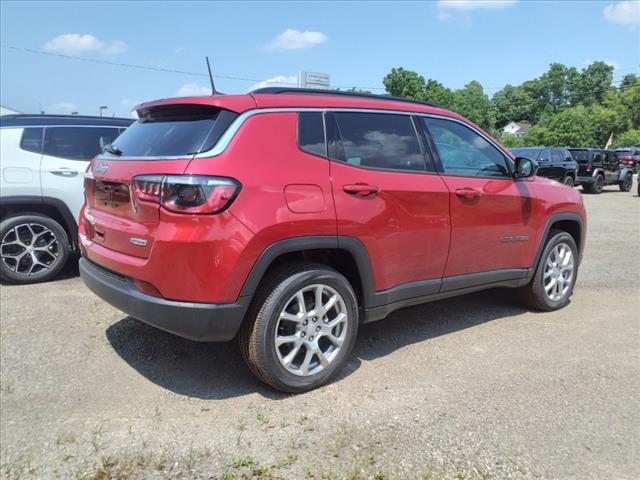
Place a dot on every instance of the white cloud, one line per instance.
(61, 107)
(75, 44)
(443, 16)
(193, 90)
(277, 81)
(475, 4)
(626, 12)
(292, 39)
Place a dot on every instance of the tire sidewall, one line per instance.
(271, 311)
(568, 181)
(627, 183)
(598, 184)
(538, 286)
(63, 242)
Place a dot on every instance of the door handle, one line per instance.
(468, 193)
(361, 189)
(64, 172)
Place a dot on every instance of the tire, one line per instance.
(626, 184)
(598, 185)
(264, 323)
(536, 295)
(568, 181)
(30, 236)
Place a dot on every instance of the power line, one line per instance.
(237, 78)
(163, 69)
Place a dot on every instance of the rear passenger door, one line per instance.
(67, 152)
(493, 226)
(20, 155)
(388, 195)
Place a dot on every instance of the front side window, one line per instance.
(77, 143)
(464, 152)
(379, 140)
(31, 140)
(555, 156)
(311, 133)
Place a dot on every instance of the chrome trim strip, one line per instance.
(224, 141)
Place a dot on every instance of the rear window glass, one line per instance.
(181, 130)
(32, 140)
(78, 143)
(624, 153)
(311, 133)
(580, 155)
(379, 140)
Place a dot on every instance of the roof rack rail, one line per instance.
(317, 91)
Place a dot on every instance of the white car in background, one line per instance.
(42, 163)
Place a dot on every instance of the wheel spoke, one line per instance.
(318, 299)
(301, 306)
(286, 361)
(304, 366)
(324, 361)
(330, 304)
(549, 286)
(335, 340)
(341, 317)
(287, 339)
(290, 317)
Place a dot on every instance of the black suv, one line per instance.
(555, 163)
(598, 167)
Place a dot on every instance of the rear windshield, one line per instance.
(580, 155)
(181, 130)
(526, 152)
(624, 153)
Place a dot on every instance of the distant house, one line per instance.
(7, 111)
(519, 129)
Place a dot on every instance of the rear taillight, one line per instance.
(186, 193)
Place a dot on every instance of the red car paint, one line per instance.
(414, 226)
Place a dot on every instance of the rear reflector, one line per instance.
(186, 193)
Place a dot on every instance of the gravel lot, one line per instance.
(474, 387)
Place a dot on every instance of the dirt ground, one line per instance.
(466, 388)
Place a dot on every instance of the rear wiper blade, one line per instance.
(112, 150)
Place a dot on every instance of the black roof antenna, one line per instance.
(213, 86)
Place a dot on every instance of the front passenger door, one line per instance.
(492, 221)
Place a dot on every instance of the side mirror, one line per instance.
(525, 168)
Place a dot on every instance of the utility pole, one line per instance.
(102, 107)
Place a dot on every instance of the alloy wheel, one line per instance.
(311, 330)
(558, 272)
(29, 249)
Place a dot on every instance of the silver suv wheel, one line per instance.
(29, 249)
(311, 330)
(558, 272)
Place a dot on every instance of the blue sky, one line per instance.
(356, 43)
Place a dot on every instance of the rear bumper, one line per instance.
(201, 322)
(581, 179)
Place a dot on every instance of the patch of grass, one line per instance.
(7, 386)
(263, 419)
(243, 462)
(65, 438)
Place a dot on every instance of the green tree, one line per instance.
(437, 93)
(592, 84)
(471, 102)
(629, 138)
(404, 83)
(630, 98)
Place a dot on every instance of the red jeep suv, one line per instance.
(289, 217)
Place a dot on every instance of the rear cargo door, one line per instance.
(160, 143)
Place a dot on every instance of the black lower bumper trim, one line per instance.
(201, 322)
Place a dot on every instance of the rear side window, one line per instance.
(379, 140)
(556, 157)
(464, 152)
(174, 131)
(311, 133)
(31, 140)
(580, 155)
(77, 143)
